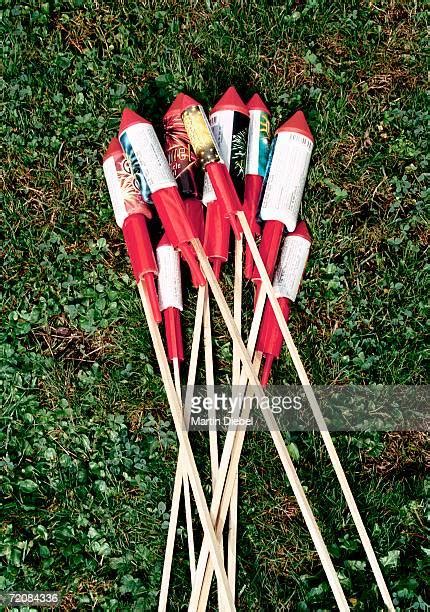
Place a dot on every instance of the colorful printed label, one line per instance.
(258, 142)
(149, 155)
(285, 178)
(291, 267)
(135, 167)
(230, 130)
(180, 155)
(124, 189)
(200, 135)
(169, 278)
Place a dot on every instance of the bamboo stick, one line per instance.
(188, 457)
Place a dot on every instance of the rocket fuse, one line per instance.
(170, 297)
(288, 276)
(130, 211)
(256, 162)
(204, 146)
(229, 120)
(283, 186)
(141, 145)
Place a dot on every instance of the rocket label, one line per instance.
(135, 167)
(149, 154)
(285, 178)
(181, 157)
(200, 135)
(169, 278)
(230, 130)
(230, 133)
(258, 142)
(291, 267)
(124, 189)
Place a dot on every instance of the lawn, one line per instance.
(88, 449)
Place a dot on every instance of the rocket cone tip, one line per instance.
(164, 241)
(297, 123)
(176, 107)
(256, 103)
(302, 230)
(129, 118)
(114, 148)
(187, 101)
(231, 100)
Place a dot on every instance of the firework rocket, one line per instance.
(130, 211)
(170, 297)
(206, 150)
(142, 147)
(256, 162)
(286, 284)
(229, 120)
(283, 186)
(184, 165)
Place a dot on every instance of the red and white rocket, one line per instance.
(131, 212)
(256, 163)
(170, 297)
(229, 120)
(283, 187)
(289, 273)
(204, 146)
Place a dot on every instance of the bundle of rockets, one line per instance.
(253, 188)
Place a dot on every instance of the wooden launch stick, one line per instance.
(228, 465)
(237, 313)
(192, 372)
(187, 453)
(171, 305)
(271, 423)
(325, 434)
(210, 382)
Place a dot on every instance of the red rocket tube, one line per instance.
(270, 337)
(253, 184)
(194, 211)
(142, 258)
(170, 296)
(269, 247)
(171, 211)
(217, 235)
(173, 330)
(225, 194)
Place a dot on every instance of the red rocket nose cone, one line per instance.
(297, 123)
(176, 107)
(187, 101)
(302, 230)
(129, 118)
(114, 148)
(164, 241)
(256, 103)
(231, 101)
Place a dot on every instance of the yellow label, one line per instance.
(200, 135)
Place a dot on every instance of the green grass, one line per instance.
(88, 449)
